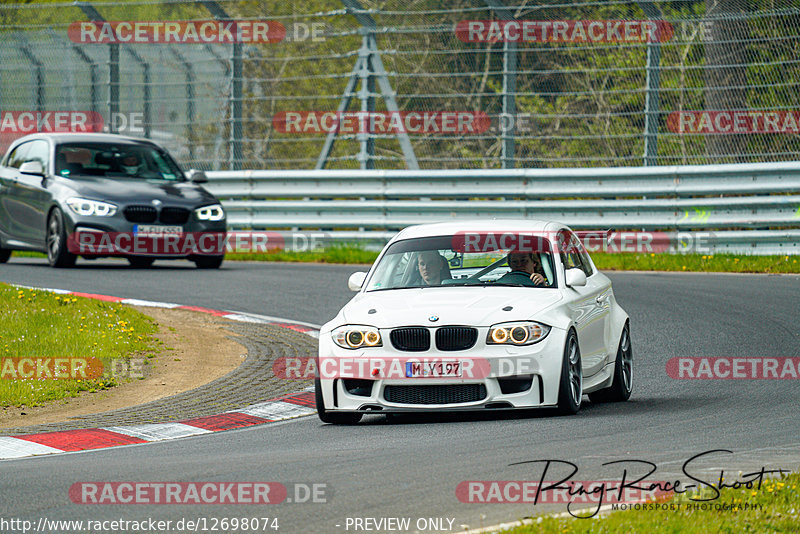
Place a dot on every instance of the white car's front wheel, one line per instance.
(570, 387)
(329, 417)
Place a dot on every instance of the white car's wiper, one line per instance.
(397, 287)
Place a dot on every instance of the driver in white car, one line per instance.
(529, 263)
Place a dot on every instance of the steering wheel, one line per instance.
(516, 277)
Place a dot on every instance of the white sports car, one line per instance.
(475, 315)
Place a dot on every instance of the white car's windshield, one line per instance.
(446, 261)
(116, 161)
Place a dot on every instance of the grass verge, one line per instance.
(38, 326)
(775, 507)
(335, 254)
(607, 262)
(720, 263)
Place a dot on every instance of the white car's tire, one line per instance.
(328, 417)
(621, 387)
(570, 386)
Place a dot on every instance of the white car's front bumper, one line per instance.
(505, 377)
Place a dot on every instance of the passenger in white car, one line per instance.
(433, 268)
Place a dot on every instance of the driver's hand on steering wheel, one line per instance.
(538, 279)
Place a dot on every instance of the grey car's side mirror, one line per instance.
(198, 177)
(356, 280)
(32, 167)
(575, 278)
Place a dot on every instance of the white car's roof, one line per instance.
(478, 225)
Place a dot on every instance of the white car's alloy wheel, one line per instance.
(571, 383)
(622, 385)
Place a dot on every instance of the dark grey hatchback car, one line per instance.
(97, 195)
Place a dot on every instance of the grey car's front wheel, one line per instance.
(570, 387)
(208, 262)
(138, 262)
(4, 254)
(58, 254)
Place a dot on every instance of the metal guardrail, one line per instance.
(748, 208)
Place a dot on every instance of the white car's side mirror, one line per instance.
(32, 167)
(356, 280)
(575, 278)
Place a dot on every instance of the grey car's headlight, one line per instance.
(86, 207)
(357, 336)
(210, 213)
(517, 333)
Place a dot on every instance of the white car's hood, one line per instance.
(476, 306)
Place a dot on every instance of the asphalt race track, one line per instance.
(410, 467)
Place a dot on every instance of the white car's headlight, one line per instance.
(86, 207)
(357, 336)
(210, 213)
(517, 333)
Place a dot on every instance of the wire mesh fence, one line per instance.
(418, 83)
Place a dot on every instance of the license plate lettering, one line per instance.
(433, 369)
(157, 230)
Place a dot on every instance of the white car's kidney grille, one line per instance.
(440, 394)
(456, 338)
(412, 339)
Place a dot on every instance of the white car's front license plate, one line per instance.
(435, 369)
(157, 230)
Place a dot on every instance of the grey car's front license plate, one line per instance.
(157, 230)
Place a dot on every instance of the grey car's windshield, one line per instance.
(116, 161)
(444, 261)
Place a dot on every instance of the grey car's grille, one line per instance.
(149, 214)
(174, 215)
(411, 339)
(140, 214)
(441, 394)
(456, 338)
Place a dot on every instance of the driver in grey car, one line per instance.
(131, 164)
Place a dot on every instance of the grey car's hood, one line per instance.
(133, 191)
